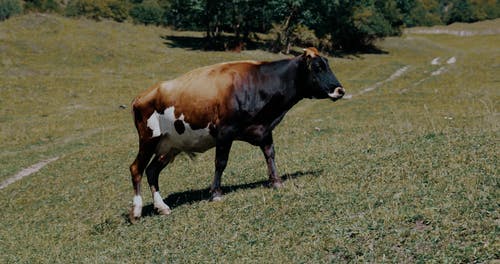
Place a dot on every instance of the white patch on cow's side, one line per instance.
(154, 124)
(198, 140)
(435, 61)
(137, 206)
(160, 205)
(451, 60)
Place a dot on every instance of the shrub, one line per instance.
(298, 35)
(147, 12)
(9, 8)
(304, 36)
(42, 5)
(98, 9)
(119, 10)
(94, 9)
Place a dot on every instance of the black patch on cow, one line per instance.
(212, 130)
(196, 127)
(263, 95)
(179, 126)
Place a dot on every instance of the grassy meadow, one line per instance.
(405, 171)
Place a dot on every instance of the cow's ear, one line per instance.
(309, 54)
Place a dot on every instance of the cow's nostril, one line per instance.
(337, 93)
(340, 90)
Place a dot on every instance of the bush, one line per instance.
(94, 9)
(42, 5)
(304, 37)
(147, 12)
(98, 9)
(119, 10)
(460, 11)
(471, 10)
(9, 8)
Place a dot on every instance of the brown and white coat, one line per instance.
(213, 106)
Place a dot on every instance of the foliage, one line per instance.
(9, 8)
(147, 12)
(470, 10)
(340, 24)
(300, 35)
(43, 5)
(94, 9)
(98, 9)
(420, 12)
(186, 14)
(119, 9)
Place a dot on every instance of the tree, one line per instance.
(147, 12)
(9, 8)
(354, 25)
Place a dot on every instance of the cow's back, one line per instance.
(204, 95)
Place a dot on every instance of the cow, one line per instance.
(215, 105)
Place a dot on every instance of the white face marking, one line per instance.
(335, 94)
(190, 140)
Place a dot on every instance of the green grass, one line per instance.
(404, 173)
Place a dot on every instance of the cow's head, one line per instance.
(320, 80)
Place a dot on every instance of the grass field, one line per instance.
(406, 170)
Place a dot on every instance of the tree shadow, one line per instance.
(231, 43)
(186, 42)
(350, 54)
(192, 196)
(221, 43)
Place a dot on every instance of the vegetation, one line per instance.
(406, 171)
(9, 8)
(331, 25)
(147, 12)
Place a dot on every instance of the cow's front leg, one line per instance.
(221, 156)
(267, 147)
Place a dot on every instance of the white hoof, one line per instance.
(217, 199)
(159, 205)
(136, 211)
(163, 211)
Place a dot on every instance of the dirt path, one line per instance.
(393, 77)
(27, 172)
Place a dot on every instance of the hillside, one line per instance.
(404, 170)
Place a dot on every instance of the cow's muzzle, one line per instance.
(337, 93)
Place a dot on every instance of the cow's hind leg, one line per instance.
(136, 171)
(153, 172)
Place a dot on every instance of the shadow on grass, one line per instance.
(222, 43)
(185, 42)
(187, 197)
(230, 43)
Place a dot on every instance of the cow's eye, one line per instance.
(317, 67)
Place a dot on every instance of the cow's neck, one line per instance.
(277, 93)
